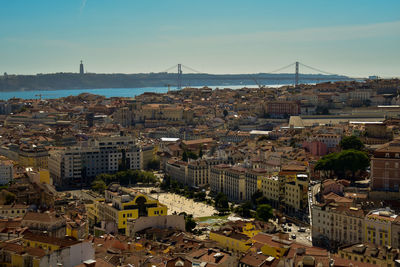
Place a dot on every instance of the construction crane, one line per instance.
(41, 95)
(259, 85)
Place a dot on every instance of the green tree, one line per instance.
(201, 152)
(322, 110)
(264, 212)
(200, 196)
(351, 142)
(352, 161)
(262, 200)
(244, 209)
(153, 164)
(255, 196)
(190, 223)
(221, 202)
(99, 186)
(185, 156)
(192, 155)
(166, 183)
(128, 177)
(342, 163)
(9, 197)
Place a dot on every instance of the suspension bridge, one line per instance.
(296, 75)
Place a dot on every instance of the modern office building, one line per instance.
(77, 166)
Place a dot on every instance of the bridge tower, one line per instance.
(179, 84)
(296, 74)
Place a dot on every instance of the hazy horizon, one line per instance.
(353, 38)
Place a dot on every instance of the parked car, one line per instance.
(293, 236)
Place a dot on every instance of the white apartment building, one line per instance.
(76, 166)
(360, 94)
(235, 184)
(195, 173)
(337, 224)
(217, 175)
(229, 180)
(177, 170)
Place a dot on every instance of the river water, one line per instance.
(107, 92)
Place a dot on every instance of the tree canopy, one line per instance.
(344, 163)
(244, 209)
(190, 223)
(256, 196)
(221, 202)
(153, 164)
(99, 186)
(264, 212)
(128, 177)
(351, 142)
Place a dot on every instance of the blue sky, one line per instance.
(356, 38)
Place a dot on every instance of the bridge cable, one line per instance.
(285, 67)
(173, 67)
(321, 71)
(189, 68)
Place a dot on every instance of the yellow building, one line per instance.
(42, 176)
(378, 226)
(77, 230)
(270, 189)
(161, 112)
(272, 245)
(237, 235)
(12, 256)
(231, 240)
(288, 190)
(34, 156)
(44, 242)
(122, 204)
(295, 198)
(250, 229)
(254, 179)
(146, 155)
(43, 251)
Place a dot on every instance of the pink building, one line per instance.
(332, 186)
(316, 148)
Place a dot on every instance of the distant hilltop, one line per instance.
(58, 81)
